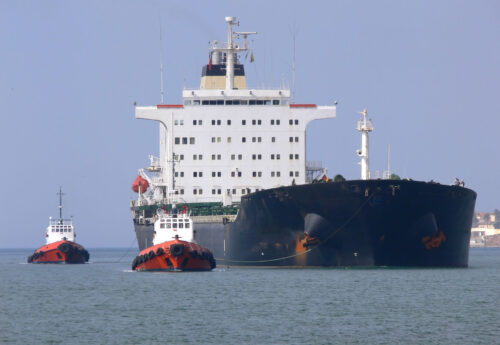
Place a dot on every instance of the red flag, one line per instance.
(210, 63)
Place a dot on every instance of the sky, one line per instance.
(70, 71)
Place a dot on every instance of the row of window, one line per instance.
(236, 173)
(218, 191)
(61, 230)
(243, 122)
(236, 102)
(184, 140)
(239, 157)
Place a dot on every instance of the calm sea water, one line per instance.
(103, 302)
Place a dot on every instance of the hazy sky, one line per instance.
(427, 71)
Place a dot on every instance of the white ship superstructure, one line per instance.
(225, 140)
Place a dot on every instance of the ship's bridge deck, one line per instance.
(235, 93)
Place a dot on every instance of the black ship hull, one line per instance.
(352, 223)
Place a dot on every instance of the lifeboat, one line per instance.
(174, 248)
(60, 246)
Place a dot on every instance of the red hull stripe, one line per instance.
(169, 106)
(302, 105)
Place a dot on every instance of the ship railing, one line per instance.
(314, 169)
(154, 164)
(60, 222)
(222, 218)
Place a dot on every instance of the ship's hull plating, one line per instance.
(352, 223)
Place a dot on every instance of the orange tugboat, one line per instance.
(174, 248)
(61, 247)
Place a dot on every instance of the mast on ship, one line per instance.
(232, 50)
(60, 193)
(364, 126)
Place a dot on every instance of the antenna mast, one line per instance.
(60, 202)
(364, 126)
(161, 68)
(294, 34)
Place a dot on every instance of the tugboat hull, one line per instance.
(174, 256)
(61, 252)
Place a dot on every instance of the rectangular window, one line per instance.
(291, 139)
(219, 191)
(213, 122)
(219, 157)
(218, 122)
(243, 102)
(273, 139)
(213, 157)
(254, 173)
(195, 191)
(254, 139)
(254, 157)
(272, 122)
(243, 122)
(291, 173)
(213, 139)
(176, 122)
(296, 139)
(181, 157)
(195, 174)
(254, 122)
(213, 173)
(200, 157)
(184, 140)
(213, 191)
(272, 156)
(220, 102)
(219, 139)
(291, 156)
(195, 157)
(277, 156)
(296, 156)
(219, 174)
(272, 173)
(234, 191)
(296, 122)
(259, 156)
(243, 140)
(182, 191)
(228, 139)
(194, 122)
(200, 191)
(278, 174)
(277, 122)
(290, 122)
(259, 122)
(233, 174)
(182, 173)
(182, 122)
(196, 102)
(200, 122)
(296, 174)
(177, 140)
(239, 173)
(240, 157)
(191, 140)
(276, 102)
(259, 139)
(233, 157)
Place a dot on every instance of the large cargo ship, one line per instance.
(236, 157)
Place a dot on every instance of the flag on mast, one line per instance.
(251, 57)
(209, 62)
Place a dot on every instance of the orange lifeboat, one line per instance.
(140, 184)
(174, 248)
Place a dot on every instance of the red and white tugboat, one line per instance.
(61, 246)
(174, 247)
